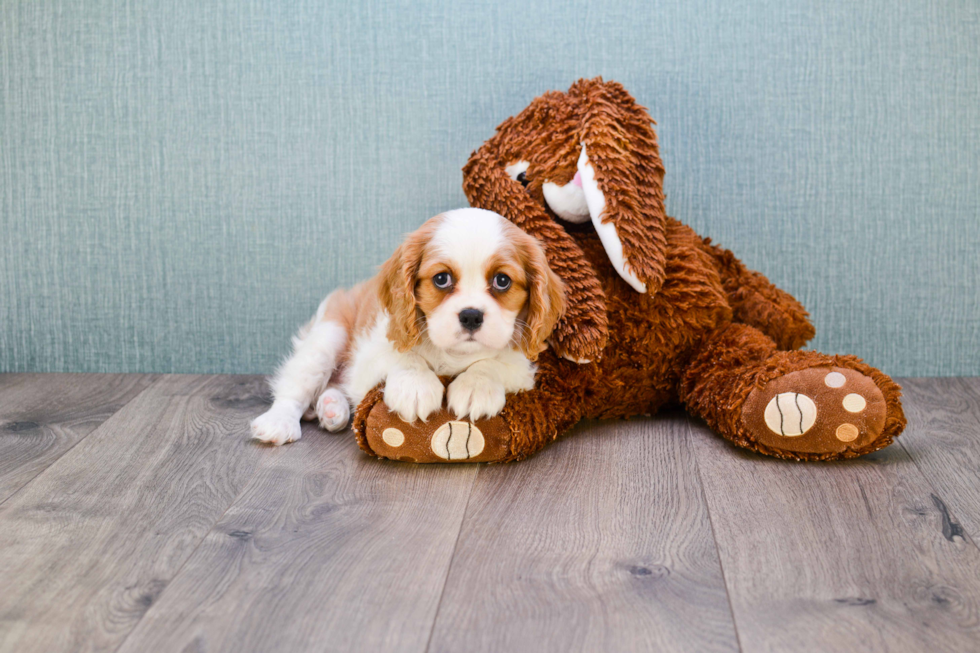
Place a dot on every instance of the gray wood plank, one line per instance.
(89, 545)
(44, 415)
(943, 438)
(850, 556)
(600, 543)
(325, 550)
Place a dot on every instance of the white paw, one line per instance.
(332, 410)
(475, 396)
(272, 427)
(413, 394)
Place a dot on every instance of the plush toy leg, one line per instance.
(442, 438)
(529, 421)
(757, 302)
(790, 404)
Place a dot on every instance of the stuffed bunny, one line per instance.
(656, 314)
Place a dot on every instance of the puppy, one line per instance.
(469, 295)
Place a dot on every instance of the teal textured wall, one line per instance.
(182, 181)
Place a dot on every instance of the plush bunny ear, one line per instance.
(582, 332)
(622, 177)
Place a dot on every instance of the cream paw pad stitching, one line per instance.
(817, 410)
(457, 441)
(790, 414)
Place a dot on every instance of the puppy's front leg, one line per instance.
(412, 389)
(481, 390)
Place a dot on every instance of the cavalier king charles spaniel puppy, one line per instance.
(469, 295)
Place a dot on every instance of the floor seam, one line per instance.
(156, 600)
(183, 564)
(714, 537)
(80, 440)
(452, 558)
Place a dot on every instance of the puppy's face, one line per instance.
(469, 280)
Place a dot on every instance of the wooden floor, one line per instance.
(136, 516)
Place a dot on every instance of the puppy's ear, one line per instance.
(545, 297)
(582, 332)
(396, 290)
(622, 147)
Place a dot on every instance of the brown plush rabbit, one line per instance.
(656, 313)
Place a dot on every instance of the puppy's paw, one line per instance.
(333, 410)
(475, 396)
(413, 394)
(273, 427)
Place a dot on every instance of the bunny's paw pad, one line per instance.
(816, 411)
(443, 438)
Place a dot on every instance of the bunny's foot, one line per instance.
(442, 438)
(820, 410)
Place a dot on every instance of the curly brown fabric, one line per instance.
(709, 333)
(756, 301)
(583, 331)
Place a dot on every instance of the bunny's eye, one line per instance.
(518, 172)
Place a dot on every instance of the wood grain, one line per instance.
(943, 438)
(44, 415)
(600, 543)
(89, 545)
(326, 549)
(851, 556)
(165, 529)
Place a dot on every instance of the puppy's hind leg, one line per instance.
(297, 382)
(333, 410)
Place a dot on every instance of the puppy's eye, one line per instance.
(443, 280)
(501, 282)
(522, 177)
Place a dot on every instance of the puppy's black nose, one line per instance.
(471, 318)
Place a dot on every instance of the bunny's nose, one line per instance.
(577, 179)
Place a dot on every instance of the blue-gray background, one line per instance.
(182, 181)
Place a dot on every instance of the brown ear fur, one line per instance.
(396, 289)
(622, 147)
(582, 332)
(546, 298)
